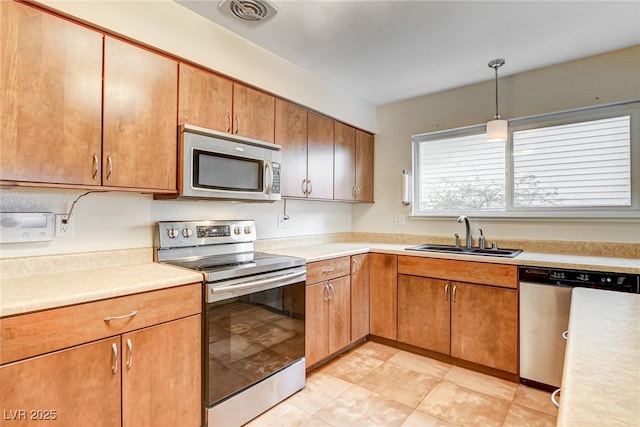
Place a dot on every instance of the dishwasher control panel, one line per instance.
(621, 282)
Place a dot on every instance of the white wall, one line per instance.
(170, 27)
(118, 220)
(596, 80)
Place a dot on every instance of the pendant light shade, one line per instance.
(497, 129)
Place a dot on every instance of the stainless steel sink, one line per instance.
(507, 253)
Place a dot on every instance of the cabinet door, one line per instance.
(320, 156)
(253, 113)
(339, 314)
(316, 323)
(383, 297)
(140, 118)
(344, 181)
(359, 296)
(73, 387)
(484, 325)
(161, 379)
(364, 166)
(50, 98)
(205, 99)
(291, 134)
(423, 312)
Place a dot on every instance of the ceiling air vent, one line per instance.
(248, 10)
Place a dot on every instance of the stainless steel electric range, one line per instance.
(253, 305)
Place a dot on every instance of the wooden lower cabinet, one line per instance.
(73, 387)
(161, 381)
(359, 296)
(424, 313)
(484, 325)
(383, 295)
(91, 365)
(328, 318)
(151, 375)
(476, 323)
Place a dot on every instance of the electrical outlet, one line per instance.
(399, 219)
(62, 229)
(283, 221)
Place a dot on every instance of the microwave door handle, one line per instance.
(258, 283)
(268, 173)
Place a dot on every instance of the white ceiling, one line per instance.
(386, 51)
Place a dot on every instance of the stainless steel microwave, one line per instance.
(218, 165)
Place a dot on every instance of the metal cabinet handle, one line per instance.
(114, 353)
(130, 355)
(109, 167)
(124, 316)
(95, 167)
(328, 270)
(305, 187)
(355, 266)
(565, 335)
(333, 291)
(553, 398)
(446, 291)
(237, 123)
(309, 186)
(454, 293)
(230, 122)
(325, 293)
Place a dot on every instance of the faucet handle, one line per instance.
(481, 240)
(457, 240)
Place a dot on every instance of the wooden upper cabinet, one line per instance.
(253, 113)
(364, 166)
(291, 134)
(344, 182)
(320, 156)
(50, 98)
(206, 99)
(140, 118)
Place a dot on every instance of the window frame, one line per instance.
(632, 212)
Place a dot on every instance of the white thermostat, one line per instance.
(26, 227)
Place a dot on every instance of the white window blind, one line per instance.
(462, 173)
(573, 165)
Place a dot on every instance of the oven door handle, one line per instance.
(248, 286)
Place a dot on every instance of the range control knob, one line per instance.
(236, 230)
(247, 230)
(187, 232)
(172, 233)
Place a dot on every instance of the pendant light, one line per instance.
(497, 129)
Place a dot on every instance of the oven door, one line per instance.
(253, 329)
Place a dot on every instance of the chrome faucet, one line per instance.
(467, 229)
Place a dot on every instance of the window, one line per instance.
(578, 164)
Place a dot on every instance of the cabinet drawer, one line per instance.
(329, 269)
(484, 273)
(45, 331)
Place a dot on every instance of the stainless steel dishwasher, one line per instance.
(545, 300)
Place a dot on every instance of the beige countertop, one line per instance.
(601, 377)
(332, 250)
(39, 283)
(39, 292)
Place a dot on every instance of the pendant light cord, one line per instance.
(497, 116)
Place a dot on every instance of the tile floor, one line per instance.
(377, 385)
